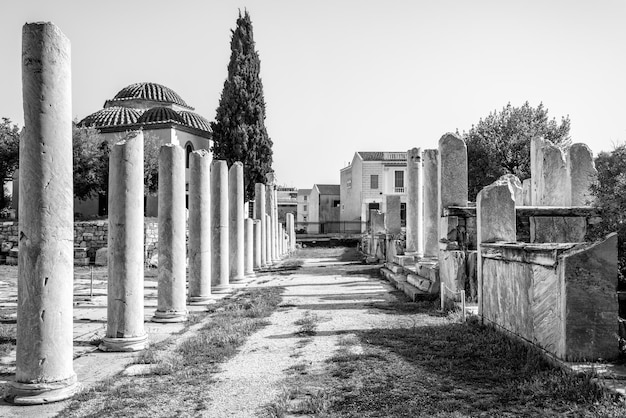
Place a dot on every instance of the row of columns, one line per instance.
(224, 246)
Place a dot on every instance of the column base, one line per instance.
(169, 316)
(220, 289)
(124, 344)
(200, 300)
(41, 393)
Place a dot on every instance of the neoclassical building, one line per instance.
(162, 114)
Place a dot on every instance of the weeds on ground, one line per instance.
(308, 324)
(180, 380)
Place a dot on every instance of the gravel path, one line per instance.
(341, 296)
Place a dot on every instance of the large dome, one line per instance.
(111, 116)
(160, 114)
(195, 121)
(149, 91)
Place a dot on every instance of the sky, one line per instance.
(342, 76)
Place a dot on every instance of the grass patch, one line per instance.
(308, 324)
(8, 333)
(181, 378)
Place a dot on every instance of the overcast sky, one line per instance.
(344, 76)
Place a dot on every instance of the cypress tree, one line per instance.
(239, 132)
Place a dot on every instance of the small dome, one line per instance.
(160, 114)
(149, 91)
(111, 116)
(195, 121)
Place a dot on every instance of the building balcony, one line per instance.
(398, 189)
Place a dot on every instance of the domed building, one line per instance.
(162, 115)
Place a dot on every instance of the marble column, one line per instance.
(268, 239)
(273, 229)
(172, 271)
(415, 203)
(249, 247)
(431, 211)
(199, 226)
(219, 226)
(257, 245)
(291, 230)
(259, 213)
(236, 225)
(44, 369)
(125, 330)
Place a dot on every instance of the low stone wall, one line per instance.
(560, 297)
(91, 235)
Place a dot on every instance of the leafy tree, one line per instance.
(151, 147)
(610, 194)
(239, 128)
(9, 154)
(500, 143)
(91, 162)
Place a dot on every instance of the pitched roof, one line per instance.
(328, 188)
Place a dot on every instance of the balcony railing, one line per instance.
(398, 189)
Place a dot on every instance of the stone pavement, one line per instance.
(90, 320)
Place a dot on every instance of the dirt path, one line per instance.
(325, 302)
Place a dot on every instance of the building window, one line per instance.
(306, 198)
(399, 182)
(188, 151)
(305, 208)
(403, 214)
(374, 181)
(335, 203)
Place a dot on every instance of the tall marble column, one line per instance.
(44, 369)
(199, 226)
(125, 330)
(273, 228)
(236, 224)
(257, 245)
(415, 202)
(268, 239)
(219, 226)
(431, 206)
(172, 271)
(249, 246)
(259, 213)
(291, 230)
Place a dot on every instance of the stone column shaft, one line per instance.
(259, 213)
(291, 231)
(236, 224)
(257, 245)
(431, 211)
(125, 330)
(268, 239)
(415, 203)
(219, 225)
(273, 229)
(249, 247)
(172, 271)
(44, 369)
(199, 226)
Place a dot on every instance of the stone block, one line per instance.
(81, 261)
(80, 253)
(495, 212)
(550, 177)
(6, 246)
(393, 224)
(102, 257)
(423, 284)
(582, 173)
(452, 272)
(452, 172)
(377, 222)
(472, 274)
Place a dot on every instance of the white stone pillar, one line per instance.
(172, 271)
(236, 224)
(257, 245)
(495, 221)
(219, 226)
(125, 330)
(281, 239)
(199, 226)
(249, 247)
(268, 239)
(291, 230)
(431, 213)
(259, 213)
(415, 203)
(44, 370)
(273, 229)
